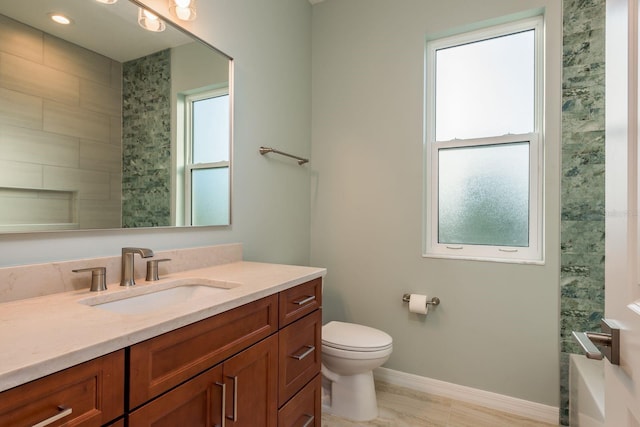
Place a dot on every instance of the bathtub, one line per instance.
(586, 392)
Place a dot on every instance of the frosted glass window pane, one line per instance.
(483, 195)
(486, 88)
(211, 130)
(210, 196)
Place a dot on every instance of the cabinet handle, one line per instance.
(64, 411)
(305, 300)
(234, 417)
(310, 349)
(309, 421)
(224, 401)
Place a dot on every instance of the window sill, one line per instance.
(485, 259)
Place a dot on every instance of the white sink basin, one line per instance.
(148, 298)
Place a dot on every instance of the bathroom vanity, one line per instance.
(248, 356)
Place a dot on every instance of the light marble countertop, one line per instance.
(46, 334)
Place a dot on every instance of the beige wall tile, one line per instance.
(20, 40)
(46, 87)
(100, 214)
(35, 79)
(60, 106)
(116, 75)
(88, 184)
(100, 156)
(76, 60)
(20, 175)
(116, 130)
(19, 109)
(75, 121)
(116, 186)
(34, 146)
(100, 98)
(35, 207)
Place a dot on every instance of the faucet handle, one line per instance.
(98, 277)
(152, 269)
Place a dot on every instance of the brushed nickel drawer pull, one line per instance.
(234, 416)
(64, 411)
(224, 401)
(309, 421)
(310, 349)
(306, 300)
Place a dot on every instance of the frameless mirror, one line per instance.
(104, 124)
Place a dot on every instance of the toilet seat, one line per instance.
(356, 355)
(356, 338)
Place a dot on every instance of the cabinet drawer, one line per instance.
(93, 391)
(161, 363)
(300, 354)
(304, 409)
(299, 301)
(198, 402)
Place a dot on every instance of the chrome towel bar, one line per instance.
(265, 150)
(434, 300)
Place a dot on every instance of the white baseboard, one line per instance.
(511, 405)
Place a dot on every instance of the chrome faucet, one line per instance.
(127, 278)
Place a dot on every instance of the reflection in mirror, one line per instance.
(106, 125)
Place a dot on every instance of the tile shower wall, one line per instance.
(60, 109)
(146, 180)
(583, 210)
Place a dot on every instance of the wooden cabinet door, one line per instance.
(88, 394)
(196, 403)
(251, 379)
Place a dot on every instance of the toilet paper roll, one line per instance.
(418, 304)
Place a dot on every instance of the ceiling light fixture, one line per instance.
(149, 21)
(60, 18)
(184, 10)
(107, 1)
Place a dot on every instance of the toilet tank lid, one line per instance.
(350, 336)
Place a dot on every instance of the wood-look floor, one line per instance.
(401, 407)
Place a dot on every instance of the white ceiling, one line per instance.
(110, 30)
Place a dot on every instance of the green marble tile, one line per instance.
(146, 141)
(579, 237)
(582, 184)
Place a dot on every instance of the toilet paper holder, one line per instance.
(434, 301)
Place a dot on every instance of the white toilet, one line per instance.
(350, 353)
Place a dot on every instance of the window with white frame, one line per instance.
(206, 168)
(484, 144)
